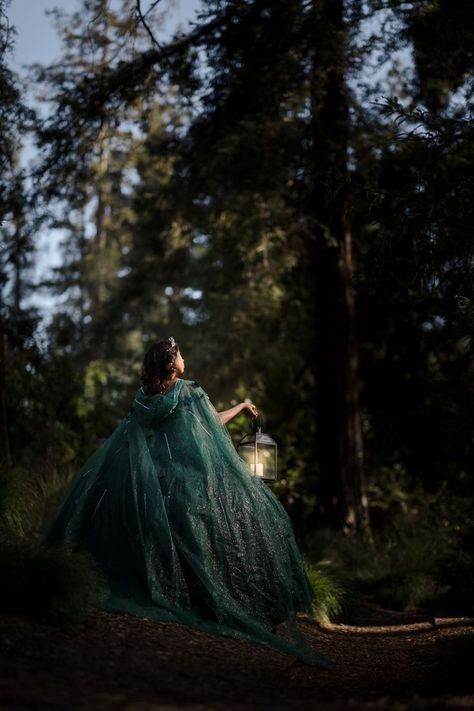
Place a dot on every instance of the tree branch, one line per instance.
(145, 24)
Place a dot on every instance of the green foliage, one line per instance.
(47, 584)
(420, 555)
(330, 594)
(96, 377)
(100, 402)
(406, 589)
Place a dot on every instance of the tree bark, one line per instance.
(102, 174)
(342, 493)
(99, 291)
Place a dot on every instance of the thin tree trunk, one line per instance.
(100, 222)
(5, 450)
(17, 261)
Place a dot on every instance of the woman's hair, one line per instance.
(158, 365)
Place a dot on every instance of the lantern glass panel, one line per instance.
(264, 463)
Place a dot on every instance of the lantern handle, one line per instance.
(256, 424)
(256, 427)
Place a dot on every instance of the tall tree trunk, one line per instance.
(102, 171)
(341, 484)
(102, 195)
(5, 450)
(17, 260)
(100, 215)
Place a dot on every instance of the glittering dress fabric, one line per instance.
(183, 530)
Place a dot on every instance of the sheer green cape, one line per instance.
(183, 530)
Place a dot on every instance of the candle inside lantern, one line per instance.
(259, 471)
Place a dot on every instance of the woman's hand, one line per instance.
(249, 408)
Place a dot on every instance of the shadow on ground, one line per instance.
(381, 660)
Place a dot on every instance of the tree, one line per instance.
(340, 436)
(17, 226)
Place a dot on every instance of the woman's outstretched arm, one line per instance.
(232, 412)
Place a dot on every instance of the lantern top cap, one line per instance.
(259, 437)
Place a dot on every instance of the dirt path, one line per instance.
(382, 660)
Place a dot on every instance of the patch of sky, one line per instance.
(377, 74)
(434, 323)
(191, 316)
(192, 293)
(188, 292)
(433, 282)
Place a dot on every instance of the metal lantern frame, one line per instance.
(256, 438)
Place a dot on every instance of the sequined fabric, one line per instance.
(183, 530)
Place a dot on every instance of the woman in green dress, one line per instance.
(180, 526)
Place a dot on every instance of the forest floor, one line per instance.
(381, 660)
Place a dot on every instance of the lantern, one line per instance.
(259, 452)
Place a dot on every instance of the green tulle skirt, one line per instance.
(183, 530)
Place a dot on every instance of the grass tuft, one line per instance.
(330, 595)
(26, 498)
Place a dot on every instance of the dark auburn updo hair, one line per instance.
(158, 366)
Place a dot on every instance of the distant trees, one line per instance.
(88, 156)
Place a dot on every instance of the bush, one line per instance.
(48, 584)
(420, 557)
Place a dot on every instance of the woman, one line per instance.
(181, 527)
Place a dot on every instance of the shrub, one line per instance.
(48, 584)
(420, 557)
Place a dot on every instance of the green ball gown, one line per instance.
(183, 530)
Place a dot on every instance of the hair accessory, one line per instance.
(172, 341)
